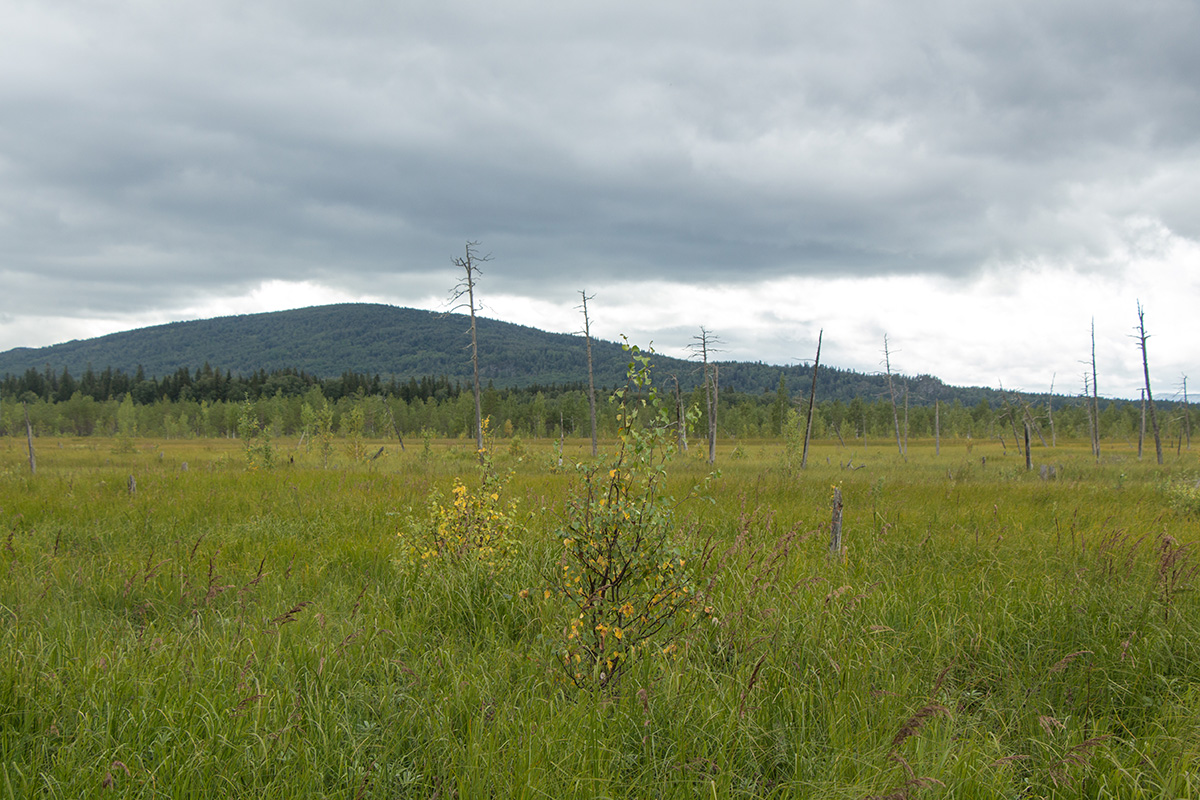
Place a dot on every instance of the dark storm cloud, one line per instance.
(148, 153)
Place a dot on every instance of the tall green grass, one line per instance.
(217, 631)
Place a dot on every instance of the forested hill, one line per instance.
(404, 343)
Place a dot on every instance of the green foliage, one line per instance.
(352, 429)
(251, 633)
(516, 447)
(317, 425)
(476, 526)
(426, 444)
(623, 572)
(256, 440)
(126, 426)
(287, 352)
(793, 442)
(1183, 495)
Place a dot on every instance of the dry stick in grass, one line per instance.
(1028, 455)
(29, 435)
(835, 530)
(365, 784)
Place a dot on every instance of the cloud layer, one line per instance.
(159, 158)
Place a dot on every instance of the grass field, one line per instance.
(176, 624)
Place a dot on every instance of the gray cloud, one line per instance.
(149, 153)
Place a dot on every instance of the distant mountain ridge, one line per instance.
(403, 343)
(327, 341)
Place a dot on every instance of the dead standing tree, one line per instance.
(1142, 429)
(29, 434)
(681, 419)
(1087, 410)
(1010, 415)
(587, 334)
(812, 399)
(1142, 337)
(887, 364)
(1050, 411)
(1095, 400)
(702, 346)
(1187, 415)
(464, 297)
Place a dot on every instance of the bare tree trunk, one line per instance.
(1050, 412)
(475, 373)
(1028, 455)
(1087, 409)
(835, 529)
(1142, 430)
(887, 363)
(708, 399)
(1095, 400)
(680, 417)
(1030, 421)
(1012, 418)
(702, 344)
(937, 428)
(1187, 415)
(812, 399)
(469, 264)
(712, 420)
(1142, 337)
(587, 334)
(395, 427)
(29, 437)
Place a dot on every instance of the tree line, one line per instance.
(213, 385)
(209, 402)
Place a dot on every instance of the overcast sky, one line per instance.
(977, 181)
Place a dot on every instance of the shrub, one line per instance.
(628, 586)
(478, 525)
(256, 441)
(1184, 496)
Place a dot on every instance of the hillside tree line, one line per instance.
(209, 402)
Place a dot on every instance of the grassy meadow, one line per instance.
(176, 623)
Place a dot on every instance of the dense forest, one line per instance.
(301, 346)
(287, 369)
(211, 402)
